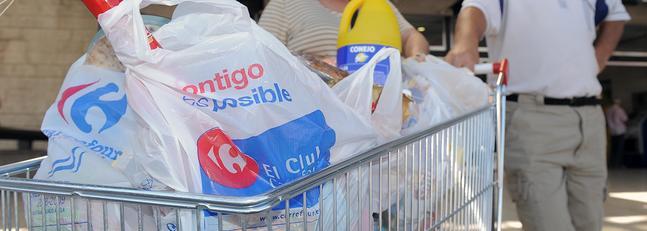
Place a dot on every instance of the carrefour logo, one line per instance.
(255, 164)
(223, 162)
(112, 109)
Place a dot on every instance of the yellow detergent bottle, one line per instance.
(375, 27)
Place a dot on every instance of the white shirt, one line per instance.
(617, 120)
(549, 43)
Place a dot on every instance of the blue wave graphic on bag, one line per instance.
(255, 165)
(71, 163)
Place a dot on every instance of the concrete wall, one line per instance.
(39, 39)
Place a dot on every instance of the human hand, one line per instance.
(420, 57)
(602, 61)
(463, 57)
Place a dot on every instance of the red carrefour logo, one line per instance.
(223, 162)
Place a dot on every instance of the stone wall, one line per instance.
(39, 39)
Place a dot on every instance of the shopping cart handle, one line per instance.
(499, 68)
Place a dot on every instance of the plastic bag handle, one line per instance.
(383, 111)
(136, 33)
(360, 99)
(380, 56)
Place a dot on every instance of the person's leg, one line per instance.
(540, 141)
(587, 177)
(540, 197)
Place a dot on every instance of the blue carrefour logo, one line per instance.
(112, 109)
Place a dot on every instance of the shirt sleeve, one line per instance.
(275, 21)
(617, 11)
(492, 9)
(402, 22)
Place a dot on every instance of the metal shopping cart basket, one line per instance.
(445, 178)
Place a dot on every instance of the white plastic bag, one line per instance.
(89, 128)
(92, 108)
(71, 160)
(441, 92)
(92, 112)
(356, 90)
(227, 109)
(86, 167)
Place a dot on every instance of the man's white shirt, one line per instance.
(549, 43)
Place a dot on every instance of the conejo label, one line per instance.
(352, 57)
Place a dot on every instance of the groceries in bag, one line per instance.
(188, 99)
(358, 91)
(92, 112)
(90, 128)
(440, 92)
(227, 109)
(102, 55)
(328, 73)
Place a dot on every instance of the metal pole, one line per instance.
(500, 131)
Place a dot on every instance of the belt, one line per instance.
(573, 102)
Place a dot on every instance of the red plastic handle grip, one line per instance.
(502, 67)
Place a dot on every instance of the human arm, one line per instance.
(414, 44)
(608, 37)
(470, 27)
(610, 31)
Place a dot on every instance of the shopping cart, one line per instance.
(444, 178)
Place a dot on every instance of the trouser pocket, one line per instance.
(519, 186)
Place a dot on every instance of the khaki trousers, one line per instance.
(555, 164)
